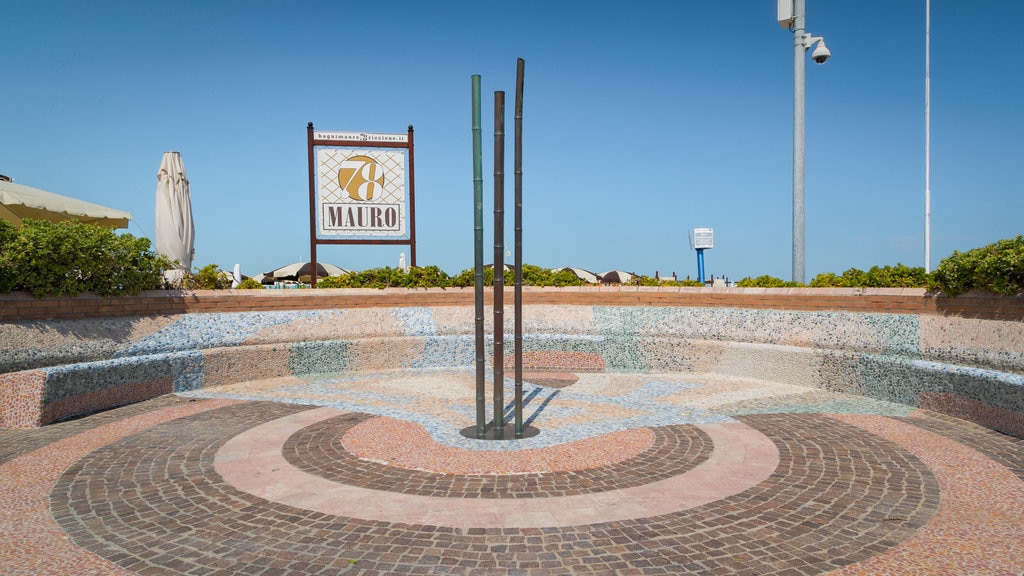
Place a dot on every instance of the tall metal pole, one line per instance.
(312, 206)
(499, 264)
(412, 200)
(927, 137)
(799, 61)
(520, 69)
(478, 263)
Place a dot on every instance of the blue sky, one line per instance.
(641, 122)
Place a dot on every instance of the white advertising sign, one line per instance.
(361, 193)
(703, 238)
(368, 137)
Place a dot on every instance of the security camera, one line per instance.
(821, 53)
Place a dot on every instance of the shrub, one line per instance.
(766, 281)
(537, 276)
(998, 267)
(249, 284)
(467, 277)
(387, 277)
(209, 277)
(827, 280)
(8, 234)
(69, 258)
(649, 281)
(332, 282)
(898, 276)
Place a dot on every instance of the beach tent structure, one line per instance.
(297, 270)
(175, 232)
(615, 277)
(18, 201)
(585, 275)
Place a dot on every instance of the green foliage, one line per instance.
(463, 279)
(209, 277)
(332, 282)
(537, 276)
(766, 281)
(649, 281)
(8, 234)
(898, 276)
(532, 276)
(644, 281)
(387, 277)
(250, 284)
(69, 258)
(998, 267)
(827, 280)
(467, 278)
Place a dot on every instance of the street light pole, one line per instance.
(927, 136)
(799, 151)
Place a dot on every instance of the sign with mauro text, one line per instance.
(361, 193)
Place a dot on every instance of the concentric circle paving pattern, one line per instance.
(154, 502)
(319, 450)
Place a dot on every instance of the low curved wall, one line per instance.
(890, 345)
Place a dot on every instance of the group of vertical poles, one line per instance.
(499, 260)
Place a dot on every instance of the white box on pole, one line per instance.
(703, 238)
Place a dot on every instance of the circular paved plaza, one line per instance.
(630, 474)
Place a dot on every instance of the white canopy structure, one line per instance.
(616, 277)
(18, 201)
(585, 275)
(297, 270)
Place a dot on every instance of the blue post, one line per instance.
(700, 265)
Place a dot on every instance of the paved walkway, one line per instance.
(630, 474)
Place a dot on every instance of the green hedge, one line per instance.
(69, 258)
(898, 276)
(998, 267)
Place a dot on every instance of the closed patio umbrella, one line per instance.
(175, 231)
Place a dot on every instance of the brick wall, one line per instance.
(19, 306)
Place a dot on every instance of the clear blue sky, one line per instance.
(642, 121)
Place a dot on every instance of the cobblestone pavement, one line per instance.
(630, 474)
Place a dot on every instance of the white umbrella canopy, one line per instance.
(18, 201)
(585, 275)
(175, 230)
(298, 269)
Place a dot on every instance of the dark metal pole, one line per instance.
(312, 206)
(520, 67)
(412, 203)
(499, 264)
(478, 263)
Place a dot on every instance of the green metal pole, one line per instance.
(478, 262)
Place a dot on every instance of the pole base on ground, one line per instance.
(508, 433)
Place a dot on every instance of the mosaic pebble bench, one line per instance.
(964, 366)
